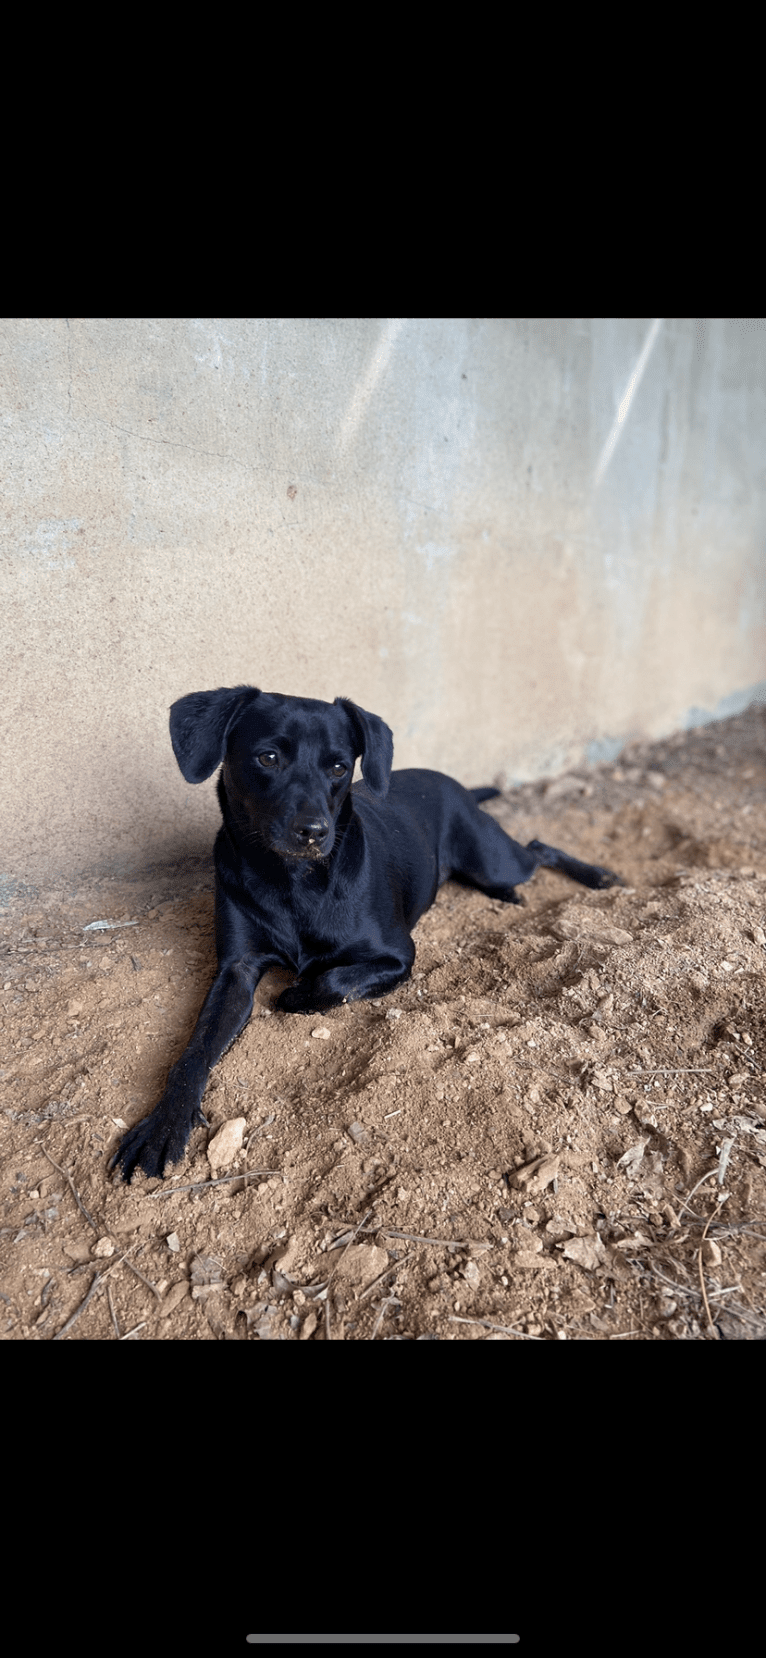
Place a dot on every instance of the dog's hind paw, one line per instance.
(607, 878)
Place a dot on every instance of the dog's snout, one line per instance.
(309, 830)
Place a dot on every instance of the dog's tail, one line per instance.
(483, 794)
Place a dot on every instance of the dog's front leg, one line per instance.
(162, 1137)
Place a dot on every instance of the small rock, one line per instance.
(581, 922)
(321, 1033)
(633, 1157)
(176, 1294)
(203, 1292)
(103, 1247)
(711, 1253)
(558, 1227)
(588, 1252)
(563, 786)
(645, 1115)
(260, 1320)
(227, 1143)
(172, 1242)
(361, 1263)
(535, 1176)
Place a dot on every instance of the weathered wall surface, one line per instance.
(520, 542)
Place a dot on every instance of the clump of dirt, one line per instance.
(556, 1130)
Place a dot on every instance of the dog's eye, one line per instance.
(338, 770)
(268, 759)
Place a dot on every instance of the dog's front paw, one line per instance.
(156, 1142)
(306, 998)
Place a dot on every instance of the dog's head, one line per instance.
(288, 761)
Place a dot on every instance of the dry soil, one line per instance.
(555, 1131)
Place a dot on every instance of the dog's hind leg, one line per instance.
(482, 855)
(588, 875)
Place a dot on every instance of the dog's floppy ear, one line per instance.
(200, 725)
(375, 744)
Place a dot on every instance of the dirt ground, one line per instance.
(555, 1131)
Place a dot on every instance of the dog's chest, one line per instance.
(310, 927)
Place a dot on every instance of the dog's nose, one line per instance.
(310, 829)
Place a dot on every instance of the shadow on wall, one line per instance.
(603, 750)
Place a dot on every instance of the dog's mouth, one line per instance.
(293, 848)
(304, 851)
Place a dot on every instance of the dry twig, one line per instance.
(390, 1301)
(96, 1285)
(113, 1313)
(220, 1180)
(348, 1246)
(73, 1188)
(146, 1281)
(394, 1267)
(506, 1329)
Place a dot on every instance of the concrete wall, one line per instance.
(521, 542)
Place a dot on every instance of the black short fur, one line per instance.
(315, 875)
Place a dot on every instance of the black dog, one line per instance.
(314, 875)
